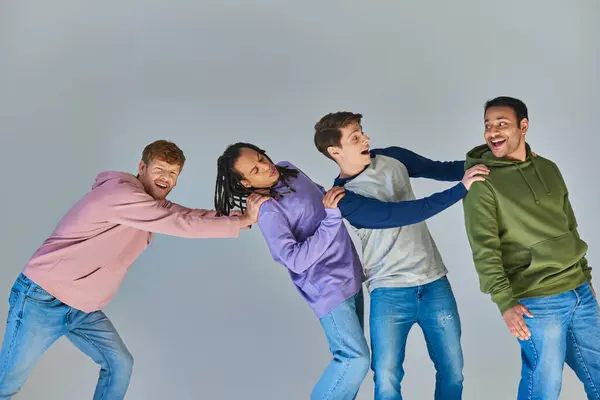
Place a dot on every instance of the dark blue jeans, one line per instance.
(393, 312)
(36, 319)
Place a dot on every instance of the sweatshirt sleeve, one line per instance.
(365, 212)
(422, 167)
(482, 231)
(132, 206)
(568, 209)
(197, 211)
(298, 256)
(587, 270)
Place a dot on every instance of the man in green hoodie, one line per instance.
(530, 258)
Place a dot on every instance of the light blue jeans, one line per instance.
(37, 319)
(564, 328)
(345, 333)
(393, 313)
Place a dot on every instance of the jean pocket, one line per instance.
(39, 295)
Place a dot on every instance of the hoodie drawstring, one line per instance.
(548, 192)
(537, 201)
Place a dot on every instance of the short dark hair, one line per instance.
(517, 105)
(163, 150)
(327, 130)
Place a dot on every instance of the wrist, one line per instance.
(244, 221)
(333, 212)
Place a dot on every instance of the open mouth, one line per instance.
(161, 186)
(497, 143)
(365, 152)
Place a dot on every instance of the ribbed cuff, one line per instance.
(333, 212)
(504, 300)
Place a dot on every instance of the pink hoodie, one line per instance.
(87, 256)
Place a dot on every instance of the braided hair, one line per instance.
(229, 191)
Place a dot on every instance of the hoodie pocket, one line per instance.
(100, 284)
(87, 275)
(67, 270)
(550, 257)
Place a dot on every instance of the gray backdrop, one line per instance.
(84, 86)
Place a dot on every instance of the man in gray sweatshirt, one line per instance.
(404, 271)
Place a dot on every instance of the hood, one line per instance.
(108, 176)
(483, 155)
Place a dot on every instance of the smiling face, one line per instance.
(256, 169)
(504, 135)
(158, 177)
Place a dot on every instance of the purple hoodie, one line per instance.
(312, 243)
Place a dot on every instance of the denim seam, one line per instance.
(18, 315)
(84, 336)
(10, 348)
(435, 360)
(532, 369)
(418, 305)
(587, 372)
(346, 364)
(11, 307)
(576, 345)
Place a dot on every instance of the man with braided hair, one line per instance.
(80, 267)
(304, 231)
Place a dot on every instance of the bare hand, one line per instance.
(253, 203)
(516, 323)
(333, 196)
(473, 174)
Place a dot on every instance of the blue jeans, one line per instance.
(564, 328)
(393, 313)
(345, 333)
(37, 319)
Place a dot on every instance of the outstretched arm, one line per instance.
(422, 167)
(365, 212)
(131, 206)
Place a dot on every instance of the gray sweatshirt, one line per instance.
(398, 250)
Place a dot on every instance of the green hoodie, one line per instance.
(522, 229)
